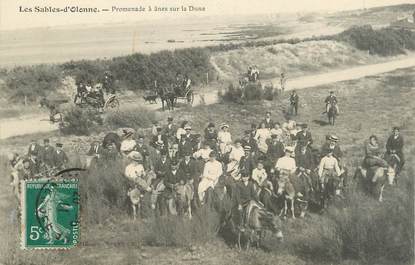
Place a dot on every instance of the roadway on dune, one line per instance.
(37, 124)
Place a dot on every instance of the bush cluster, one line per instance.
(384, 42)
(79, 121)
(250, 92)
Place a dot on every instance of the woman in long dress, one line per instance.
(261, 136)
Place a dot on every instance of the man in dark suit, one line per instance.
(275, 151)
(394, 145)
(186, 141)
(294, 100)
(47, 154)
(142, 148)
(304, 159)
(34, 148)
(170, 130)
(304, 137)
(247, 162)
(268, 121)
(162, 166)
(60, 158)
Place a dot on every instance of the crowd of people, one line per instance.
(175, 156)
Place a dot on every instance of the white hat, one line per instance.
(187, 127)
(223, 125)
(136, 156)
(289, 149)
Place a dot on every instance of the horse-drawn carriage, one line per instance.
(95, 98)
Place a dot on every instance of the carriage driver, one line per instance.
(331, 100)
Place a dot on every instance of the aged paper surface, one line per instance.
(207, 132)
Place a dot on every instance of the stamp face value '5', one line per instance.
(50, 213)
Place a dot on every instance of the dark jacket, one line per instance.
(275, 150)
(394, 144)
(304, 139)
(189, 169)
(60, 159)
(245, 193)
(304, 160)
(337, 153)
(268, 124)
(247, 164)
(161, 168)
(294, 99)
(34, 148)
(47, 155)
(331, 100)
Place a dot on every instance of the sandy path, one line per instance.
(36, 124)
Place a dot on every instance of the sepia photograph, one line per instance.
(209, 132)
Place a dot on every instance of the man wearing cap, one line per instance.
(332, 145)
(170, 130)
(60, 160)
(135, 172)
(142, 148)
(245, 192)
(210, 176)
(188, 166)
(186, 141)
(46, 154)
(328, 168)
(247, 163)
(286, 164)
(211, 135)
(294, 100)
(224, 138)
(247, 140)
(34, 147)
(331, 100)
(173, 178)
(162, 165)
(304, 159)
(269, 124)
(394, 145)
(304, 137)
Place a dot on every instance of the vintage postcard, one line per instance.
(207, 132)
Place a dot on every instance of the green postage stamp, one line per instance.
(50, 213)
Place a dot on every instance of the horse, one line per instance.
(331, 114)
(374, 180)
(167, 96)
(252, 223)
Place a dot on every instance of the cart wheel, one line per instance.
(190, 98)
(114, 104)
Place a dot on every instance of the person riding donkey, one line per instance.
(139, 183)
(373, 159)
(210, 176)
(328, 172)
(394, 146)
(244, 193)
(331, 100)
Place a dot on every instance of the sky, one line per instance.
(11, 18)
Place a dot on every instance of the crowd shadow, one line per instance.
(321, 122)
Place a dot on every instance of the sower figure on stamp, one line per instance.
(48, 210)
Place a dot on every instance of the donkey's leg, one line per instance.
(134, 211)
(292, 208)
(381, 193)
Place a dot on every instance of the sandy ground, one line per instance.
(40, 123)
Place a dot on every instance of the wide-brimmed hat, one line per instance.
(223, 125)
(187, 127)
(247, 148)
(334, 138)
(136, 156)
(211, 125)
(289, 149)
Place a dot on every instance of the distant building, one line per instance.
(405, 23)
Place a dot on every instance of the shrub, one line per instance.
(140, 118)
(79, 121)
(250, 92)
(385, 42)
(32, 82)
